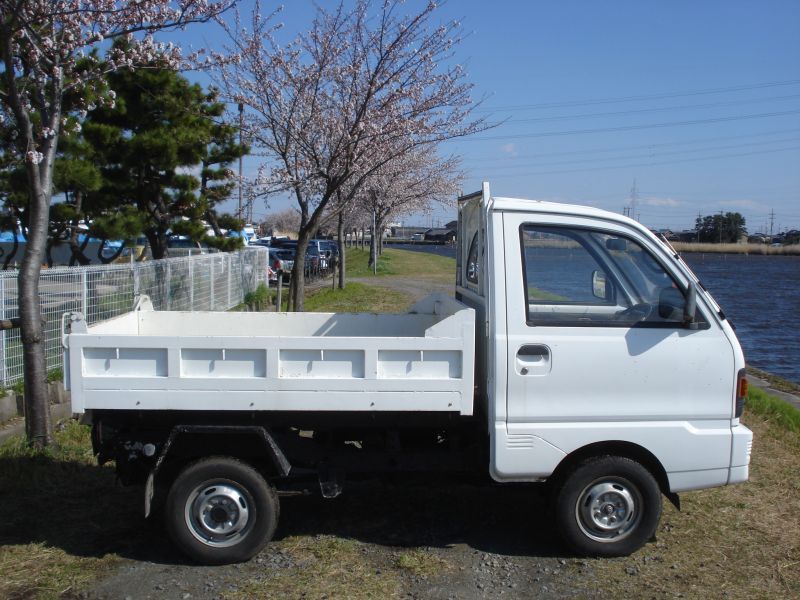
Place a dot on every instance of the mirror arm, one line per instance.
(690, 308)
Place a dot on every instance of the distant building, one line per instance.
(442, 236)
(407, 233)
(687, 235)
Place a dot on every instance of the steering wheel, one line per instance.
(635, 313)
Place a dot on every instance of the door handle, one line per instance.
(534, 352)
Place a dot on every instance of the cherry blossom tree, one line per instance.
(410, 183)
(47, 55)
(367, 83)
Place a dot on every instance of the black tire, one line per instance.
(220, 510)
(607, 506)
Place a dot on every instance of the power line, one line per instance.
(655, 109)
(654, 164)
(656, 154)
(739, 88)
(633, 127)
(505, 159)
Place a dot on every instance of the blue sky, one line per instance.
(698, 102)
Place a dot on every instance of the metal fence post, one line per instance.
(136, 281)
(168, 286)
(229, 280)
(213, 261)
(3, 333)
(85, 294)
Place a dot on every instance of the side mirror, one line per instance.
(690, 309)
(676, 307)
(599, 287)
(618, 244)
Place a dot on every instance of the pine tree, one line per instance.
(146, 145)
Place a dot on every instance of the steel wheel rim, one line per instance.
(609, 509)
(219, 513)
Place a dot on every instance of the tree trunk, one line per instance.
(342, 263)
(37, 409)
(373, 249)
(297, 287)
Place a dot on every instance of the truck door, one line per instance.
(597, 347)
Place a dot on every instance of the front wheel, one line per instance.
(608, 506)
(220, 510)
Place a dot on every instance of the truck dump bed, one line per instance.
(156, 360)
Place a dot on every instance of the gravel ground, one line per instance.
(480, 541)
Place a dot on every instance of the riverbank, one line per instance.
(759, 249)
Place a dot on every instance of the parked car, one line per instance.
(182, 241)
(281, 261)
(313, 262)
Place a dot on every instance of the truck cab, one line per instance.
(602, 362)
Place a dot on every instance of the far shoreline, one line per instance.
(747, 249)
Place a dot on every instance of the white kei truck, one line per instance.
(579, 351)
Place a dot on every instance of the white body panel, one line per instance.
(148, 360)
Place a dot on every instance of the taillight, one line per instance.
(276, 265)
(741, 392)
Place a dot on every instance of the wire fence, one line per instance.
(203, 282)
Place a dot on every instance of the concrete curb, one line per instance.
(762, 384)
(11, 410)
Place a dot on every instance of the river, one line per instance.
(759, 294)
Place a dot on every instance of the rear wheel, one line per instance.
(220, 510)
(608, 506)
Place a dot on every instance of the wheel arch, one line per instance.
(253, 445)
(619, 448)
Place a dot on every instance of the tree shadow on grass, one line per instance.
(80, 509)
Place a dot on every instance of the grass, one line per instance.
(401, 262)
(360, 297)
(732, 542)
(64, 521)
(357, 297)
(421, 563)
(322, 567)
(774, 410)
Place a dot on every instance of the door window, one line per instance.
(583, 277)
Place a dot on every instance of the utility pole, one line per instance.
(241, 125)
(771, 222)
(697, 225)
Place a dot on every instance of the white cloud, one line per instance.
(743, 204)
(668, 202)
(509, 149)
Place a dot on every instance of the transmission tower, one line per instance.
(630, 210)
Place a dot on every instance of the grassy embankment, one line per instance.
(65, 525)
(766, 249)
